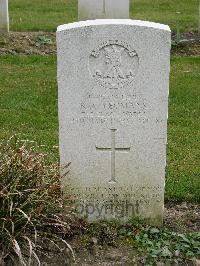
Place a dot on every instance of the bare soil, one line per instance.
(44, 43)
(184, 217)
(28, 43)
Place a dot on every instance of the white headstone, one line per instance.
(94, 9)
(113, 79)
(4, 18)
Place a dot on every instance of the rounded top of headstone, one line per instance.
(99, 22)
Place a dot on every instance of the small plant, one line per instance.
(167, 247)
(30, 202)
(177, 40)
(43, 40)
(154, 245)
(178, 35)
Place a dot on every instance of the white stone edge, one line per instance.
(98, 22)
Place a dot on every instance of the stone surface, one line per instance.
(113, 79)
(95, 9)
(4, 19)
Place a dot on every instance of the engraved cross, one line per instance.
(113, 149)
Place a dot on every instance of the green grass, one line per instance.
(46, 15)
(28, 106)
(29, 98)
(165, 11)
(41, 15)
(184, 130)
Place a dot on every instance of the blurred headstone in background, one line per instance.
(4, 17)
(100, 9)
(199, 19)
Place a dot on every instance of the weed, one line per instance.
(177, 40)
(158, 244)
(43, 40)
(167, 247)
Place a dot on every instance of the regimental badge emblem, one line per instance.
(114, 64)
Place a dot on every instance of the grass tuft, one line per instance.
(30, 196)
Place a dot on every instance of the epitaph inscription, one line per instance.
(114, 64)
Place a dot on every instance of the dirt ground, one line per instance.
(184, 217)
(44, 43)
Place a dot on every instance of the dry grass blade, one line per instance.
(11, 207)
(68, 246)
(29, 220)
(18, 252)
(25, 215)
(30, 249)
(53, 242)
(37, 258)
